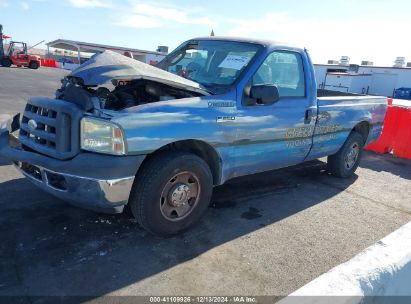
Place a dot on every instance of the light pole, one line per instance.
(1, 43)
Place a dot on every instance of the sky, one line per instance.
(374, 30)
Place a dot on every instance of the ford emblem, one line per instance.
(32, 124)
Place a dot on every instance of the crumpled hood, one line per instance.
(110, 65)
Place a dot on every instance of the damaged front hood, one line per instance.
(110, 65)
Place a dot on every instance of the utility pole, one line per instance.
(1, 43)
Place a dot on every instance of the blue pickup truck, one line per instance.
(160, 138)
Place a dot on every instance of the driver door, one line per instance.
(277, 135)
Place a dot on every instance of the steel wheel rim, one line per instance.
(351, 156)
(180, 196)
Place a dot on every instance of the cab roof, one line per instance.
(265, 42)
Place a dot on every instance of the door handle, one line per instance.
(308, 116)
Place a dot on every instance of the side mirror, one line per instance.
(264, 94)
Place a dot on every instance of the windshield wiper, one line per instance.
(204, 88)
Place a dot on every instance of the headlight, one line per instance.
(102, 136)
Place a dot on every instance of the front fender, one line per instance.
(153, 126)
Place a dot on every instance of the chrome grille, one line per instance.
(45, 131)
(51, 127)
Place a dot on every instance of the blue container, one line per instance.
(403, 93)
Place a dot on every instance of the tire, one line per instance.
(346, 160)
(163, 196)
(33, 65)
(6, 62)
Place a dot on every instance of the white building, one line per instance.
(365, 79)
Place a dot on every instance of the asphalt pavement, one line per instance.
(266, 234)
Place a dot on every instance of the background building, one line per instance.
(365, 78)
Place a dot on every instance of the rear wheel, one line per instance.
(171, 193)
(33, 65)
(6, 62)
(346, 160)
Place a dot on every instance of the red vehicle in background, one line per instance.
(17, 55)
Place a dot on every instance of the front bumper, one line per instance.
(89, 180)
(98, 194)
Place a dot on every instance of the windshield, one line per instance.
(210, 63)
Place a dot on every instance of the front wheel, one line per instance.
(346, 160)
(6, 62)
(33, 65)
(171, 193)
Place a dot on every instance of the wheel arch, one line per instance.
(197, 147)
(363, 128)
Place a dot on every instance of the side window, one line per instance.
(285, 70)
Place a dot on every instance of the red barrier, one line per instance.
(51, 63)
(396, 135)
(402, 143)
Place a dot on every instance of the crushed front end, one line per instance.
(45, 148)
